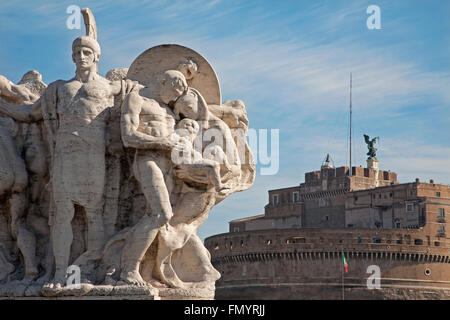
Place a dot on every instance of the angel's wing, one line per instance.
(366, 138)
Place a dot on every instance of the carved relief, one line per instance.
(116, 174)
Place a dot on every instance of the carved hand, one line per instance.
(167, 144)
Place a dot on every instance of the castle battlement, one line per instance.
(369, 198)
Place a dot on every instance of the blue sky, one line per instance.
(289, 61)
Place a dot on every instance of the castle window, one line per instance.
(438, 194)
(275, 199)
(441, 229)
(399, 241)
(295, 240)
(296, 196)
(376, 240)
(437, 243)
(236, 229)
(390, 195)
(359, 239)
(418, 242)
(397, 225)
(356, 198)
(441, 212)
(409, 207)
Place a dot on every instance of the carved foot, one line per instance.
(133, 277)
(176, 284)
(56, 284)
(222, 189)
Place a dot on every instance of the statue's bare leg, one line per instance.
(62, 238)
(144, 232)
(49, 263)
(199, 259)
(6, 169)
(179, 235)
(6, 268)
(212, 169)
(95, 229)
(26, 240)
(15, 162)
(202, 255)
(163, 264)
(140, 239)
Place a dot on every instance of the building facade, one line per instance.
(295, 249)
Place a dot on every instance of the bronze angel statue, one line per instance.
(371, 146)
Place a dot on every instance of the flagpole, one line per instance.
(350, 172)
(342, 269)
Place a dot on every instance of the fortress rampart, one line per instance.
(295, 249)
(291, 260)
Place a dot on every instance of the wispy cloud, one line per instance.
(418, 159)
(314, 76)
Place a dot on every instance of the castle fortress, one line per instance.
(295, 249)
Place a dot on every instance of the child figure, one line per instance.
(194, 163)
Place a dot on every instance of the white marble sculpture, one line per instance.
(117, 174)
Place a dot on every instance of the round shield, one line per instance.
(148, 66)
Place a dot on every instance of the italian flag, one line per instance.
(344, 261)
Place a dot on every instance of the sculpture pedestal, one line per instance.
(372, 163)
(17, 291)
(131, 297)
(186, 294)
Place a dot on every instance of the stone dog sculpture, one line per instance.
(126, 211)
